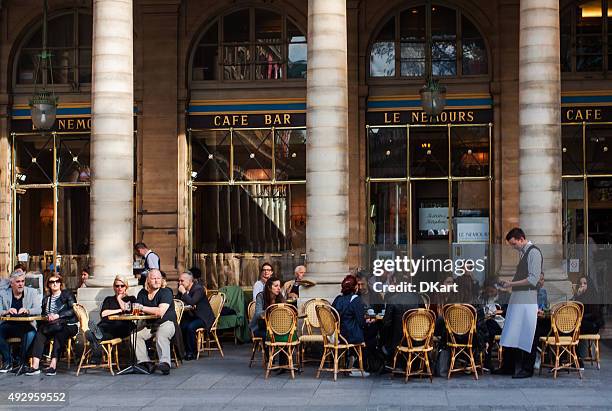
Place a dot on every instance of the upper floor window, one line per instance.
(585, 42)
(69, 38)
(408, 38)
(250, 44)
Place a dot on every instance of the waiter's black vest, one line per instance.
(522, 271)
(146, 262)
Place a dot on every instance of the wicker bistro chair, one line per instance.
(310, 326)
(204, 337)
(334, 344)
(258, 344)
(281, 336)
(592, 341)
(563, 337)
(418, 326)
(460, 321)
(179, 308)
(110, 347)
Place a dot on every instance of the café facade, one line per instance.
(243, 151)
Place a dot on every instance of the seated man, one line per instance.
(17, 300)
(291, 289)
(201, 316)
(158, 301)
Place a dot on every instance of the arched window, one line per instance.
(250, 44)
(585, 43)
(401, 47)
(69, 38)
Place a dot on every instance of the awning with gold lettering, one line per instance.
(586, 106)
(211, 114)
(71, 117)
(401, 110)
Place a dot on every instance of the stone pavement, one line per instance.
(212, 383)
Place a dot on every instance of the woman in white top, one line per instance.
(265, 272)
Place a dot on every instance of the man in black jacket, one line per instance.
(200, 316)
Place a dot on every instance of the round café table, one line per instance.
(133, 368)
(21, 318)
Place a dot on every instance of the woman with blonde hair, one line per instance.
(106, 329)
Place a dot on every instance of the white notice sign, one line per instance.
(433, 218)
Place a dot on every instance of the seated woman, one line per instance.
(592, 320)
(61, 324)
(352, 315)
(112, 305)
(271, 294)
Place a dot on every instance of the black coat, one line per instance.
(397, 305)
(196, 297)
(66, 313)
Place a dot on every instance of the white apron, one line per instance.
(521, 320)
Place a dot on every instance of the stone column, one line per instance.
(6, 198)
(327, 161)
(540, 205)
(112, 141)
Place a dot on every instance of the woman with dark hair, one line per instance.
(592, 320)
(271, 294)
(60, 326)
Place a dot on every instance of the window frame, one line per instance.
(459, 14)
(76, 48)
(604, 72)
(252, 44)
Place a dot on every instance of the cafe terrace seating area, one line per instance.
(311, 334)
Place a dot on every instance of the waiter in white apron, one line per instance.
(518, 333)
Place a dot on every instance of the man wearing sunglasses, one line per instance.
(18, 300)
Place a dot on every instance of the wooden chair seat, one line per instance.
(563, 340)
(415, 349)
(311, 338)
(279, 344)
(590, 337)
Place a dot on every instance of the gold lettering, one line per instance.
(461, 116)
(70, 124)
(89, 123)
(579, 115)
(80, 124)
(424, 118)
(287, 119)
(62, 124)
(244, 120)
(217, 121)
(396, 117)
(415, 117)
(470, 116)
(226, 121)
(598, 114)
(267, 119)
(387, 120)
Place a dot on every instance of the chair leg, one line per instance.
(574, 357)
(218, 343)
(85, 353)
(360, 354)
(473, 363)
(198, 344)
(408, 367)
(335, 364)
(270, 360)
(117, 358)
(322, 361)
(597, 353)
(253, 353)
(290, 361)
(557, 354)
(429, 373)
(452, 362)
(109, 359)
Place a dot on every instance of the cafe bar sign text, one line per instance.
(247, 120)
